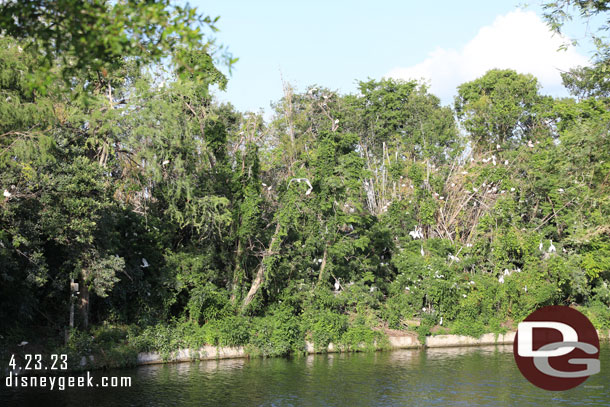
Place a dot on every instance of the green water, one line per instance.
(483, 376)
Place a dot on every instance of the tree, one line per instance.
(79, 35)
(499, 108)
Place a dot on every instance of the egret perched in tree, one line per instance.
(501, 280)
(7, 194)
(540, 246)
(337, 285)
(552, 247)
(306, 180)
(421, 250)
(416, 233)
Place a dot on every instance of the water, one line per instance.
(481, 376)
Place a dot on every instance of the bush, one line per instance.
(276, 334)
(325, 326)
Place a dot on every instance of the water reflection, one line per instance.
(471, 376)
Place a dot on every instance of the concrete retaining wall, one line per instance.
(396, 342)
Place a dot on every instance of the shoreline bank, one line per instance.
(209, 352)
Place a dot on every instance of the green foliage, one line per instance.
(344, 215)
(325, 326)
(499, 107)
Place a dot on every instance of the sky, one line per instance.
(337, 43)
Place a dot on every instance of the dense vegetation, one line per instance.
(186, 222)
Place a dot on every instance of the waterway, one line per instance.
(470, 376)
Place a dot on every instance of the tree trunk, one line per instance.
(323, 265)
(260, 273)
(237, 273)
(83, 302)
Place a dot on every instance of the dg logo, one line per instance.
(556, 348)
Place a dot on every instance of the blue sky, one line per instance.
(337, 43)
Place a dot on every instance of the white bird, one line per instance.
(454, 258)
(23, 343)
(424, 309)
(529, 144)
(144, 263)
(269, 187)
(552, 248)
(512, 190)
(497, 146)
(525, 288)
(416, 233)
(441, 321)
(540, 246)
(164, 163)
(506, 272)
(7, 194)
(501, 280)
(306, 180)
(320, 260)
(493, 160)
(336, 121)
(464, 295)
(407, 288)
(373, 288)
(471, 282)
(421, 250)
(337, 285)
(560, 190)
(505, 162)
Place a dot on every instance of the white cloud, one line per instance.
(519, 40)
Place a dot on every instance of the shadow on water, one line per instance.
(468, 376)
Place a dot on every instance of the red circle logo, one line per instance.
(556, 348)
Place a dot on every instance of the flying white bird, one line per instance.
(144, 263)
